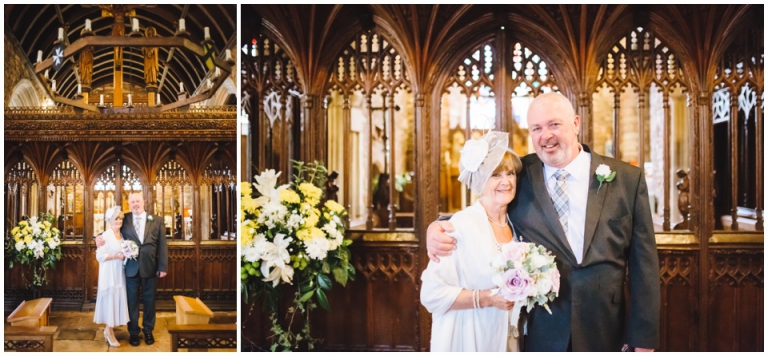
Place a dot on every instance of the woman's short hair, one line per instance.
(509, 162)
(113, 213)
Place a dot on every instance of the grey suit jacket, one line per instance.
(153, 253)
(619, 246)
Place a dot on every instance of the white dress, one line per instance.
(111, 300)
(468, 267)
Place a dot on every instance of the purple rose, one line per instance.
(516, 285)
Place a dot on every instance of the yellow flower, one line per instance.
(15, 231)
(289, 196)
(49, 240)
(304, 234)
(23, 223)
(245, 189)
(316, 233)
(334, 206)
(246, 235)
(47, 224)
(311, 193)
(55, 231)
(28, 239)
(311, 219)
(17, 238)
(248, 203)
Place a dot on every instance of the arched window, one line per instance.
(116, 179)
(737, 113)
(220, 190)
(271, 101)
(640, 116)
(21, 190)
(469, 108)
(65, 199)
(370, 133)
(173, 201)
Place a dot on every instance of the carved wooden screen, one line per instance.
(64, 197)
(737, 112)
(270, 98)
(21, 190)
(173, 201)
(469, 108)
(117, 179)
(640, 116)
(370, 118)
(221, 188)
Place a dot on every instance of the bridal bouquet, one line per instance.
(130, 250)
(290, 236)
(527, 275)
(34, 242)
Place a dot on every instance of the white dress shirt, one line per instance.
(142, 219)
(577, 185)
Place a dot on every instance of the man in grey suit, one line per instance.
(599, 232)
(148, 232)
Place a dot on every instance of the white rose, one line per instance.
(317, 248)
(603, 170)
(19, 246)
(543, 286)
(538, 261)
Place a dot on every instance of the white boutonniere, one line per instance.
(150, 218)
(604, 174)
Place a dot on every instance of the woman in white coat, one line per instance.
(457, 290)
(111, 300)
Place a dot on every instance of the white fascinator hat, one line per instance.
(112, 213)
(480, 157)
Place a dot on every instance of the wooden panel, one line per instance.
(218, 264)
(736, 304)
(679, 307)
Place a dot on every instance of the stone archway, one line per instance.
(24, 94)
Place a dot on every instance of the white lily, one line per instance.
(34, 224)
(276, 255)
(277, 274)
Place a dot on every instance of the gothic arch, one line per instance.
(24, 95)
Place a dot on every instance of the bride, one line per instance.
(457, 291)
(111, 300)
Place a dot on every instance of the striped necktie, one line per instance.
(560, 198)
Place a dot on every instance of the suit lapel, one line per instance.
(146, 228)
(543, 200)
(594, 202)
(135, 235)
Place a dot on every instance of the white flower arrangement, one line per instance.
(37, 243)
(527, 275)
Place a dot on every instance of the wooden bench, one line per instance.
(201, 337)
(191, 311)
(31, 313)
(27, 338)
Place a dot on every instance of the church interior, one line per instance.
(386, 96)
(102, 101)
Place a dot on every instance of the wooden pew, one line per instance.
(201, 337)
(31, 313)
(191, 311)
(192, 330)
(28, 338)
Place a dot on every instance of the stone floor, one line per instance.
(78, 333)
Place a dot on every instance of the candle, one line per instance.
(87, 25)
(181, 87)
(130, 101)
(207, 33)
(53, 85)
(135, 25)
(228, 55)
(61, 34)
(39, 56)
(208, 83)
(79, 89)
(101, 100)
(158, 99)
(216, 72)
(182, 28)
(46, 74)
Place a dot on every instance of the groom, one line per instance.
(596, 231)
(147, 231)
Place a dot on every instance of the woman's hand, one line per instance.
(495, 301)
(120, 256)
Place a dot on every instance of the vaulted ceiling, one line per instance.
(35, 27)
